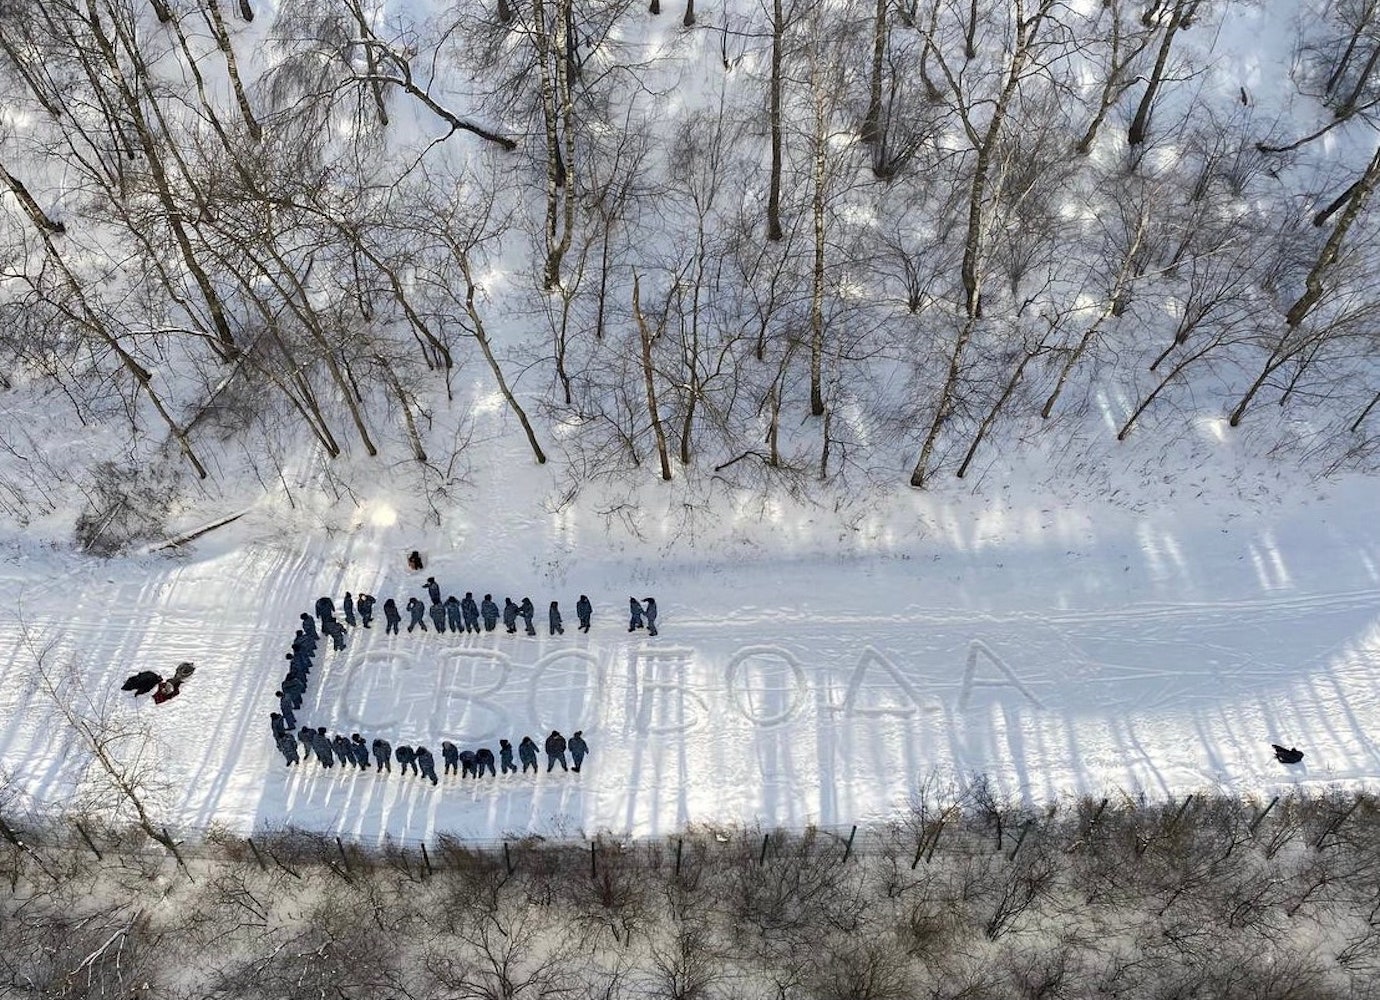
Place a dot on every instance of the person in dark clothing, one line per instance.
(469, 611)
(467, 764)
(414, 561)
(308, 625)
(579, 749)
(583, 611)
(383, 754)
(307, 737)
(361, 750)
(344, 750)
(279, 724)
(416, 609)
(453, 617)
(391, 616)
(366, 609)
(303, 641)
(407, 757)
(489, 610)
(553, 619)
(287, 746)
(321, 746)
(433, 589)
(555, 751)
(438, 617)
(484, 758)
(1292, 756)
(510, 615)
(285, 707)
(505, 756)
(348, 607)
(634, 614)
(294, 687)
(141, 683)
(528, 611)
(325, 610)
(650, 602)
(336, 631)
(451, 755)
(427, 763)
(527, 753)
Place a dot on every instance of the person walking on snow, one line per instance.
(505, 757)
(307, 737)
(554, 620)
(416, 609)
(322, 747)
(336, 631)
(651, 615)
(555, 751)
(438, 618)
(490, 612)
(634, 614)
(383, 754)
(325, 610)
(453, 615)
(361, 752)
(308, 625)
(527, 610)
(510, 615)
(433, 590)
(285, 707)
(451, 756)
(527, 753)
(467, 764)
(391, 616)
(407, 757)
(583, 611)
(470, 612)
(579, 749)
(348, 606)
(275, 719)
(428, 764)
(366, 609)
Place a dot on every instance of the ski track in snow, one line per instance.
(740, 711)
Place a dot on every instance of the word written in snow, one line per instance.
(468, 690)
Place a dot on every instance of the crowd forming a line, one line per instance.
(450, 615)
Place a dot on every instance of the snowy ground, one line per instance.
(1056, 651)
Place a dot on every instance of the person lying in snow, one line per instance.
(167, 690)
(1291, 756)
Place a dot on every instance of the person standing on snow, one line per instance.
(438, 617)
(470, 612)
(453, 613)
(349, 608)
(583, 611)
(308, 624)
(428, 764)
(391, 616)
(555, 751)
(490, 612)
(510, 615)
(505, 757)
(634, 614)
(416, 609)
(433, 590)
(336, 631)
(467, 768)
(407, 757)
(383, 754)
(361, 752)
(366, 609)
(553, 618)
(527, 610)
(287, 746)
(527, 753)
(484, 758)
(578, 750)
(651, 615)
(325, 610)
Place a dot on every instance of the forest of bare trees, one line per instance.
(777, 243)
(967, 896)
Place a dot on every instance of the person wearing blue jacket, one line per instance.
(583, 611)
(391, 617)
(428, 764)
(553, 618)
(417, 610)
(470, 612)
(454, 614)
(527, 610)
(510, 615)
(490, 612)
(634, 614)
(366, 609)
(438, 617)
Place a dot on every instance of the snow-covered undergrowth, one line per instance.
(963, 897)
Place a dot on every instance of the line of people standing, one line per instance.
(453, 615)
